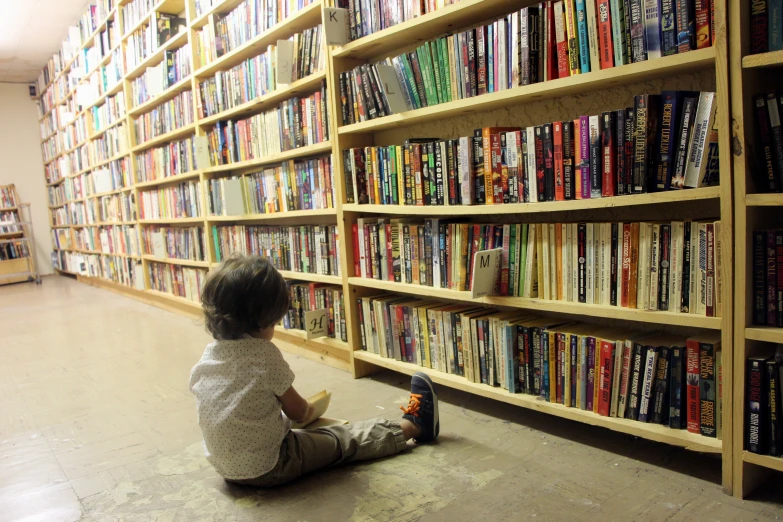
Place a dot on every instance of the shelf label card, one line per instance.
(391, 85)
(285, 61)
(485, 272)
(316, 324)
(202, 152)
(335, 25)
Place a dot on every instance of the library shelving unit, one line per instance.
(560, 99)
(18, 234)
(750, 74)
(79, 215)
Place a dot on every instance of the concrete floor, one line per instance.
(96, 423)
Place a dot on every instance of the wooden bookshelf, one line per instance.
(753, 210)
(533, 105)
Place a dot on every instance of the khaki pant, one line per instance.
(303, 451)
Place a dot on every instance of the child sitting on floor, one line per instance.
(243, 386)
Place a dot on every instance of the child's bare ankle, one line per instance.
(409, 429)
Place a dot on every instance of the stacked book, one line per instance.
(256, 76)
(178, 280)
(769, 151)
(178, 201)
(539, 43)
(768, 278)
(294, 185)
(307, 297)
(174, 242)
(763, 428)
(310, 249)
(662, 143)
(171, 159)
(165, 118)
(664, 266)
(297, 122)
(642, 376)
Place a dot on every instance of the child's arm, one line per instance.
(295, 406)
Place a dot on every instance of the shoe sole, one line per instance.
(436, 417)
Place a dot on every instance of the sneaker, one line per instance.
(422, 408)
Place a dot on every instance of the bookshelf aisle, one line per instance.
(755, 67)
(155, 160)
(395, 310)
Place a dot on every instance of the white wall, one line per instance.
(21, 163)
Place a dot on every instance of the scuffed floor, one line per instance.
(97, 424)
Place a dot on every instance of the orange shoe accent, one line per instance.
(413, 405)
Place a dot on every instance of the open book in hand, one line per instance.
(320, 402)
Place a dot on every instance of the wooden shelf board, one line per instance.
(176, 41)
(766, 334)
(767, 461)
(563, 307)
(446, 19)
(293, 214)
(171, 179)
(166, 95)
(764, 200)
(655, 432)
(172, 261)
(672, 196)
(305, 18)
(301, 152)
(10, 235)
(222, 7)
(283, 92)
(335, 343)
(582, 83)
(165, 221)
(8, 209)
(762, 60)
(110, 193)
(165, 138)
(56, 182)
(315, 278)
(106, 162)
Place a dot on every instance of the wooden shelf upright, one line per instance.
(458, 118)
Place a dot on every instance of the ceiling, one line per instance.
(31, 32)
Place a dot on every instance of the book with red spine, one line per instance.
(605, 45)
(703, 29)
(759, 23)
(693, 396)
(626, 265)
(609, 149)
(551, 43)
(539, 148)
(563, 66)
(557, 138)
(357, 269)
(606, 370)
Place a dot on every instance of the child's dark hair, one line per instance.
(243, 295)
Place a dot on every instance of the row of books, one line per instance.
(295, 123)
(120, 239)
(174, 242)
(763, 429)
(308, 297)
(112, 176)
(538, 43)
(87, 239)
(144, 41)
(78, 160)
(366, 17)
(111, 143)
(174, 68)
(176, 201)
(74, 133)
(662, 143)
(177, 280)
(647, 377)
(108, 113)
(766, 26)
(48, 126)
(768, 278)
(50, 149)
(6, 218)
(257, 76)
(165, 118)
(671, 266)
(134, 12)
(310, 249)
(769, 151)
(57, 196)
(294, 185)
(171, 159)
(61, 238)
(246, 21)
(7, 197)
(116, 208)
(52, 172)
(13, 249)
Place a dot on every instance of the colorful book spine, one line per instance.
(618, 31)
(703, 26)
(606, 46)
(584, 46)
(572, 35)
(652, 29)
(759, 26)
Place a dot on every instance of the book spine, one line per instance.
(771, 269)
(660, 403)
(549, 163)
(692, 378)
(647, 385)
(703, 26)
(668, 28)
(606, 46)
(619, 136)
(640, 159)
(637, 375)
(569, 180)
(638, 43)
(665, 267)
(605, 378)
(591, 369)
(539, 156)
(707, 387)
(779, 277)
(772, 383)
(681, 150)
(584, 46)
(557, 138)
(757, 407)
(666, 135)
(764, 152)
(573, 37)
(608, 140)
(759, 26)
(652, 24)
(618, 31)
(676, 382)
(625, 376)
(563, 66)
